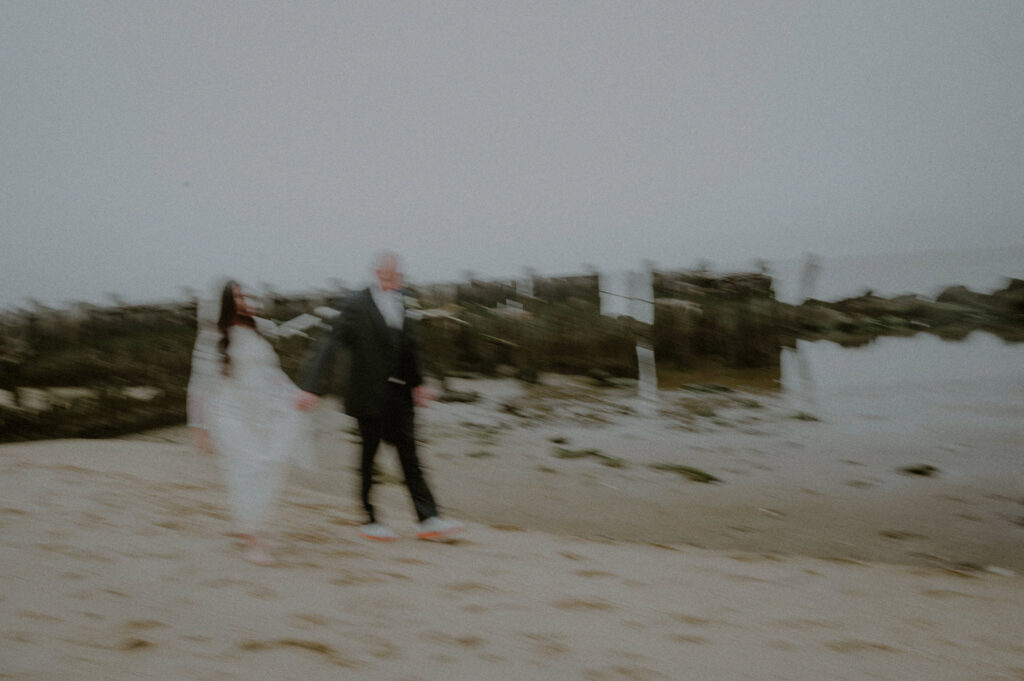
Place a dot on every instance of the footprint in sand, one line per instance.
(184, 486)
(691, 619)
(380, 647)
(803, 623)
(546, 644)
(899, 535)
(946, 594)
(252, 588)
(350, 578)
(507, 528)
(593, 573)
(466, 587)
(779, 644)
(317, 647)
(857, 646)
(143, 624)
(315, 620)
(746, 578)
(755, 558)
(69, 551)
(19, 637)
(39, 616)
(572, 556)
(618, 672)
(172, 525)
(466, 641)
(583, 604)
(309, 537)
(687, 638)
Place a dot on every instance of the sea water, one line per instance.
(923, 272)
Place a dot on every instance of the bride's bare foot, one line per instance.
(256, 552)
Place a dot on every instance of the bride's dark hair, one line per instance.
(229, 316)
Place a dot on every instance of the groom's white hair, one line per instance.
(385, 257)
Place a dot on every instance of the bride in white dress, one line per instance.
(241, 405)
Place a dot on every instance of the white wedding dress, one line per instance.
(252, 420)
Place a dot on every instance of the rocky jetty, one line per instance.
(953, 314)
(696, 320)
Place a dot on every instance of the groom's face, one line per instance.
(388, 275)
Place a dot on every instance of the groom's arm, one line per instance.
(421, 393)
(414, 377)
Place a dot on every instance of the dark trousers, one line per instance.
(395, 426)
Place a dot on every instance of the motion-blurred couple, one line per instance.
(244, 407)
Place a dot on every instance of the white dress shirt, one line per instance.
(390, 305)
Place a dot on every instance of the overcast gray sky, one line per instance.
(146, 146)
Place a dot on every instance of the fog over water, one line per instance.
(890, 274)
(147, 146)
(919, 362)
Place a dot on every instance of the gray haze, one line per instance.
(146, 146)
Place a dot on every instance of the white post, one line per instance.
(524, 284)
(647, 378)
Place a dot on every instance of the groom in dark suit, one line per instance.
(383, 383)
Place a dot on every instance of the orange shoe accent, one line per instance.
(440, 535)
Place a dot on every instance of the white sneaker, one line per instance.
(377, 532)
(437, 528)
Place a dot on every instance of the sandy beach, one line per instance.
(813, 556)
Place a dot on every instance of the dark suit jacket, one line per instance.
(375, 354)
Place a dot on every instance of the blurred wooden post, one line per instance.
(809, 276)
(647, 374)
(631, 294)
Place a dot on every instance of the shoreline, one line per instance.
(570, 459)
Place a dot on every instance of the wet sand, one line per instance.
(831, 487)
(813, 557)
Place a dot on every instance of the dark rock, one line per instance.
(867, 305)
(506, 371)
(689, 472)
(939, 314)
(954, 332)
(1011, 298)
(458, 396)
(713, 388)
(961, 295)
(921, 469)
(906, 307)
(891, 321)
(817, 317)
(853, 340)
